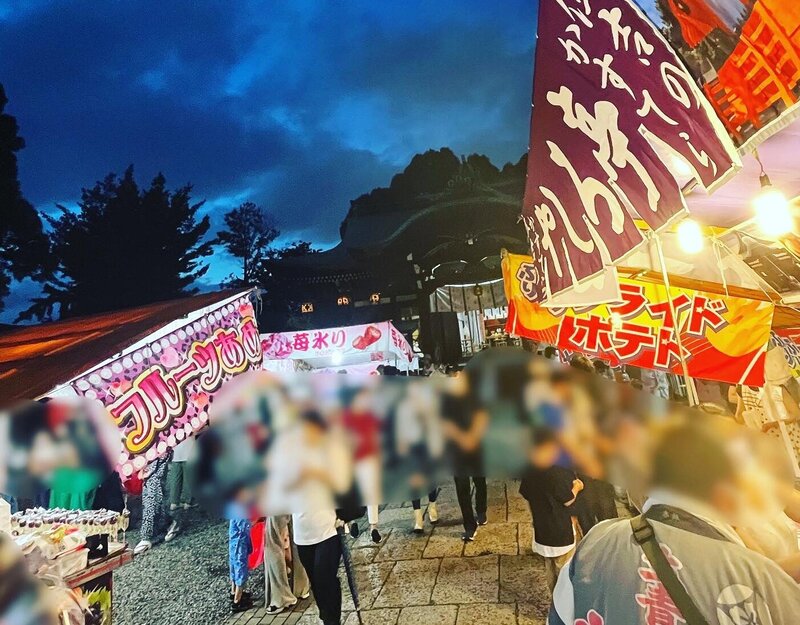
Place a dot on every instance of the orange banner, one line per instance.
(723, 338)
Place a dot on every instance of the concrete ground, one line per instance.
(435, 578)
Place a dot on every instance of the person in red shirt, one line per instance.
(364, 427)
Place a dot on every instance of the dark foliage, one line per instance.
(23, 246)
(248, 233)
(124, 247)
(428, 176)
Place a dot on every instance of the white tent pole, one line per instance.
(691, 391)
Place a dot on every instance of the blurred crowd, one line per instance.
(312, 459)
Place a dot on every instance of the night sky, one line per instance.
(297, 105)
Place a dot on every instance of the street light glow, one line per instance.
(681, 167)
(690, 236)
(773, 214)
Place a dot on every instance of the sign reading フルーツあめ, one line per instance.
(159, 393)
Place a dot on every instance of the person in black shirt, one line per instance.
(465, 423)
(551, 491)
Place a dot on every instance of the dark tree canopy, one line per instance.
(292, 250)
(248, 233)
(431, 174)
(124, 247)
(23, 246)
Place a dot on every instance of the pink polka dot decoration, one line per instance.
(116, 380)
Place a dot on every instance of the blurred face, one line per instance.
(545, 455)
(459, 384)
(361, 402)
(312, 432)
(562, 390)
(245, 496)
(751, 498)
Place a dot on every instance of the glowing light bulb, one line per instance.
(690, 236)
(336, 358)
(616, 320)
(773, 214)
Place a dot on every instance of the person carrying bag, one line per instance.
(645, 537)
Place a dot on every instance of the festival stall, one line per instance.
(155, 369)
(722, 337)
(638, 120)
(359, 349)
(682, 330)
(481, 310)
(159, 387)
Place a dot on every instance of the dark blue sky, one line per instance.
(300, 106)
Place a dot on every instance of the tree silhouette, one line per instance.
(247, 237)
(293, 249)
(23, 246)
(124, 247)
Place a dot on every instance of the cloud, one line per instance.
(299, 106)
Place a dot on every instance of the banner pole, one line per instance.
(691, 391)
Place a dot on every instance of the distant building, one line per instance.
(443, 221)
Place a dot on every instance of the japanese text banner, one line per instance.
(159, 393)
(610, 99)
(376, 341)
(723, 338)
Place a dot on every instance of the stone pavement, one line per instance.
(436, 579)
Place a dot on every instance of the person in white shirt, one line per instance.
(309, 466)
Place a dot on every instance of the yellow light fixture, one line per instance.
(690, 236)
(773, 214)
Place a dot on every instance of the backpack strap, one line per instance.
(645, 537)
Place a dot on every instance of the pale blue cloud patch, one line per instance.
(649, 7)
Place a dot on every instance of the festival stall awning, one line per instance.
(340, 348)
(155, 368)
(724, 337)
(36, 359)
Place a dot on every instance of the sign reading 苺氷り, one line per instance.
(381, 339)
(159, 393)
(610, 99)
(723, 338)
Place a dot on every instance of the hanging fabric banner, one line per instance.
(159, 393)
(613, 109)
(723, 338)
(789, 340)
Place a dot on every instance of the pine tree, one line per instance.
(248, 235)
(124, 247)
(23, 246)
